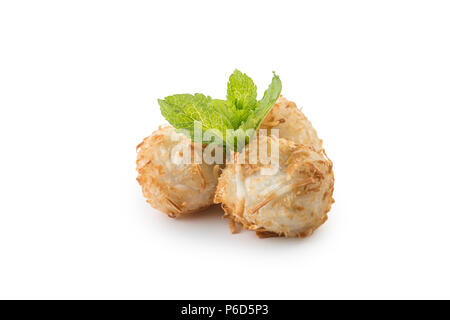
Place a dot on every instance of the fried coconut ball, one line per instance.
(291, 202)
(172, 186)
(291, 123)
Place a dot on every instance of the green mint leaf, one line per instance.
(264, 105)
(232, 121)
(225, 108)
(241, 91)
(185, 111)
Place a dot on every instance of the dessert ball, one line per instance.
(291, 123)
(169, 182)
(287, 191)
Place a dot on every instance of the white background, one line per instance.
(79, 82)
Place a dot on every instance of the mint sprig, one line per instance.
(227, 120)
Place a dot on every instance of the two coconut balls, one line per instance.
(285, 191)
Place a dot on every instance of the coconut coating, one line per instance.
(291, 123)
(170, 185)
(292, 202)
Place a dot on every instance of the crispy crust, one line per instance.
(175, 189)
(295, 209)
(306, 163)
(292, 124)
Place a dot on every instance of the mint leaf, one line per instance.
(231, 122)
(241, 91)
(183, 111)
(225, 108)
(264, 105)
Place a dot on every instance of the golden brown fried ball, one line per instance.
(291, 123)
(291, 202)
(172, 186)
